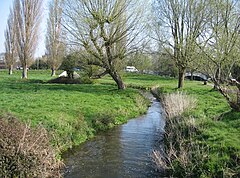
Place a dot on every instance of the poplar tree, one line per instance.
(10, 43)
(27, 17)
(54, 41)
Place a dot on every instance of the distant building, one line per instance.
(2, 63)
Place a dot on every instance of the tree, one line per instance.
(106, 29)
(181, 23)
(54, 41)
(10, 40)
(27, 17)
(221, 46)
(221, 43)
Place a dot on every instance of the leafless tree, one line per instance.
(180, 24)
(27, 15)
(10, 40)
(54, 41)
(221, 47)
(106, 29)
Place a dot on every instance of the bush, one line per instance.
(26, 152)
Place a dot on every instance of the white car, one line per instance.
(131, 69)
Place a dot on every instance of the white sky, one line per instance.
(4, 12)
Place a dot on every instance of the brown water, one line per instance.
(121, 152)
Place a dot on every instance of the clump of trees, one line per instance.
(21, 35)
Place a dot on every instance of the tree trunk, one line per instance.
(53, 72)
(181, 75)
(117, 78)
(10, 70)
(24, 72)
(192, 75)
(217, 79)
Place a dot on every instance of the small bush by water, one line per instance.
(26, 152)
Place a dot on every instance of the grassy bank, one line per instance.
(73, 113)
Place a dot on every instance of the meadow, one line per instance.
(73, 113)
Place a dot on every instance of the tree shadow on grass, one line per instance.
(36, 85)
(148, 78)
(230, 116)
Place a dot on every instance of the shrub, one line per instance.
(26, 152)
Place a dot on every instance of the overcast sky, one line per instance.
(4, 12)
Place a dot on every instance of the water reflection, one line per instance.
(121, 152)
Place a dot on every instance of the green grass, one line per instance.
(72, 112)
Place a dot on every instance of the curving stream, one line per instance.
(121, 152)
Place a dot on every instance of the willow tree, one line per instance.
(54, 41)
(181, 23)
(27, 17)
(10, 40)
(105, 29)
(221, 46)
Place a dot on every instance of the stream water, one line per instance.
(123, 151)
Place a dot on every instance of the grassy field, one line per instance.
(76, 112)
(72, 112)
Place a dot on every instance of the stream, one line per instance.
(124, 151)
